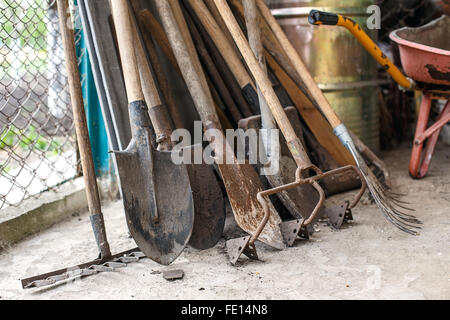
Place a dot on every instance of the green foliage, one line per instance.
(24, 22)
(29, 139)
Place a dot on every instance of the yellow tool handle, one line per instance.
(331, 19)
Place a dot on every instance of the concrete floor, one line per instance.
(368, 259)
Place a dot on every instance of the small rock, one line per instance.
(172, 275)
(201, 289)
(155, 272)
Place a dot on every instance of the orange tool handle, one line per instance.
(331, 19)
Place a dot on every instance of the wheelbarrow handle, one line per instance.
(318, 18)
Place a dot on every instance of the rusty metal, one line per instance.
(262, 196)
(156, 192)
(293, 229)
(237, 247)
(299, 201)
(304, 165)
(241, 181)
(110, 264)
(209, 202)
(209, 205)
(338, 214)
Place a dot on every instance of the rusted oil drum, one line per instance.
(338, 63)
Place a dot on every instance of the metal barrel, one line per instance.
(339, 64)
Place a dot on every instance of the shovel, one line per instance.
(156, 193)
(208, 198)
(241, 181)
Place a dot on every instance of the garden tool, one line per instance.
(385, 200)
(209, 203)
(294, 144)
(309, 110)
(248, 89)
(106, 262)
(425, 58)
(241, 181)
(299, 201)
(156, 192)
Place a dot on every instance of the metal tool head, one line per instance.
(338, 214)
(293, 229)
(299, 201)
(156, 193)
(239, 246)
(242, 184)
(210, 210)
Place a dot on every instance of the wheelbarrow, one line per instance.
(425, 57)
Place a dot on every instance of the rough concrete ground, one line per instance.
(368, 259)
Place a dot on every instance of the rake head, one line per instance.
(389, 203)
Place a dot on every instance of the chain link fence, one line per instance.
(396, 14)
(38, 149)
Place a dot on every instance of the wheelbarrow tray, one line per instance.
(425, 51)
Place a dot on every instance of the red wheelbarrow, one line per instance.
(425, 57)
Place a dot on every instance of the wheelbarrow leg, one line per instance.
(433, 138)
(422, 121)
(418, 168)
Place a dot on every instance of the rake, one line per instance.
(389, 202)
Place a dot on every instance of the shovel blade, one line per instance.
(242, 185)
(151, 183)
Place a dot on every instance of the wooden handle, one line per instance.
(216, 15)
(222, 43)
(81, 129)
(317, 123)
(156, 109)
(298, 152)
(301, 69)
(153, 27)
(252, 20)
(124, 33)
(211, 68)
(149, 90)
(161, 78)
(192, 76)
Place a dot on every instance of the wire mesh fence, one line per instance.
(396, 14)
(37, 141)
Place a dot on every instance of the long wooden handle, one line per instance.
(302, 71)
(194, 79)
(156, 109)
(295, 146)
(211, 68)
(76, 97)
(124, 33)
(161, 78)
(222, 43)
(252, 20)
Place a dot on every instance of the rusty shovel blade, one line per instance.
(156, 193)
